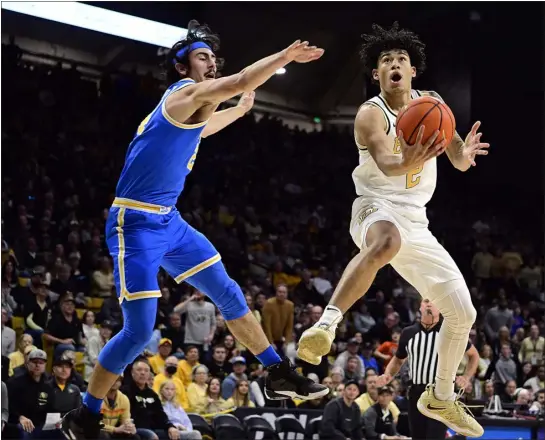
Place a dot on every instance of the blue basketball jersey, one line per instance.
(160, 156)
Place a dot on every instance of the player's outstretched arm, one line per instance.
(186, 102)
(223, 118)
(371, 131)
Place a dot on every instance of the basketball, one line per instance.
(429, 112)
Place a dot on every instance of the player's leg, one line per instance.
(425, 264)
(136, 252)
(380, 241)
(196, 261)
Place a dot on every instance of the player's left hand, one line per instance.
(462, 381)
(473, 145)
(173, 433)
(246, 101)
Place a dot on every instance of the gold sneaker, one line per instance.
(454, 414)
(316, 342)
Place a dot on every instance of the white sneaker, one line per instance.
(316, 342)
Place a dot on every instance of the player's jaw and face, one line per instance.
(394, 71)
(202, 65)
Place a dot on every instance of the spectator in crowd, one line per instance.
(241, 396)
(342, 418)
(157, 361)
(378, 420)
(17, 358)
(67, 396)
(37, 313)
(533, 348)
(88, 325)
(185, 366)
(8, 335)
(278, 317)
(337, 376)
(370, 398)
(169, 373)
(103, 278)
(149, 418)
(196, 391)
(508, 394)
(218, 365)
(230, 345)
(538, 406)
(387, 350)
(111, 311)
(482, 262)
(31, 397)
(383, 330)
(352, 349)
(363, 321)
(175, 332)
(505, 368)
(251, 306)
(200, 322)
(239, 373)
(497, 317)
(175, 413)
(64, 329)
(367, 357)
(537, 382)
(75, 378)
(22, 369)
(353, 370)
(94, 345)
(215, 403)
(116, 414)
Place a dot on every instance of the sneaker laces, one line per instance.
(462, 407)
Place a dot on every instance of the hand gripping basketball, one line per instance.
(419, 153)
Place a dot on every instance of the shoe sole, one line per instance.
(462, 431)
(294, 395)
(314, 344)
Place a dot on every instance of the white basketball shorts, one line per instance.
(422, 261)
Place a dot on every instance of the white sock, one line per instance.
(331, 316)
(459, 315)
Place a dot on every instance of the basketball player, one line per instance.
(394, 181)
(145, 231)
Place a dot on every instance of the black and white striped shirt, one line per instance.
(419, 345)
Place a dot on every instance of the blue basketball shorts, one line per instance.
(142, 237)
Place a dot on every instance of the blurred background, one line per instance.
(273, 192)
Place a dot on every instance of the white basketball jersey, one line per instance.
(415, 188)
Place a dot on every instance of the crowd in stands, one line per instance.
(264, 195)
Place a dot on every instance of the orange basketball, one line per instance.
(429, 112)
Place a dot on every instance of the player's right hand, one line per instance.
(419, 153)
(384, 379)
(302, 52)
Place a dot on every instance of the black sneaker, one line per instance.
(81, 424)
(283, 382)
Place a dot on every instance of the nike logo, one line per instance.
(431, 408)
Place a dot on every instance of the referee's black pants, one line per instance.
(422, 427)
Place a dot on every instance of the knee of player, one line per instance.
(384, 248)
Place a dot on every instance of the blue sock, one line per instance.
(269, 357)
(92, 403)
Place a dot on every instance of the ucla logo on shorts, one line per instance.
(164, 209)
(366, 214)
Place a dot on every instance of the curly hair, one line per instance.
(195, 32)
(382, 40)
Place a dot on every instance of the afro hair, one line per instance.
(382, 40)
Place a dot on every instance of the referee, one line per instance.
(418, 345)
